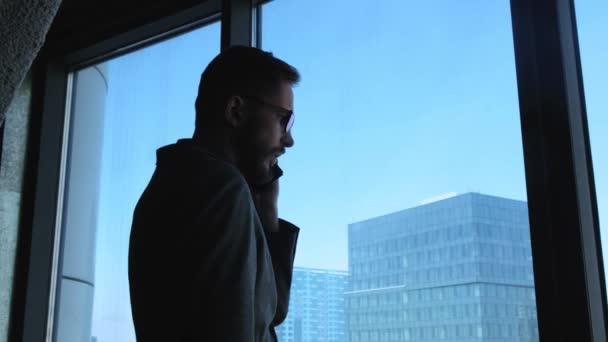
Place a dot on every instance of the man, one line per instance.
(209, 260)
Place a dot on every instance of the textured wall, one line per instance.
(23, 27)
(11, 182)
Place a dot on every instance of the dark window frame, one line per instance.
(566, 246)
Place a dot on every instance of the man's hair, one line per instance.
(239, 70)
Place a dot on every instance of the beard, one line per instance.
(257, 151)
(256, 164)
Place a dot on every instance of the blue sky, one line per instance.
(399, 102)
(593, 32)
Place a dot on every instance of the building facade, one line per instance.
(459, 269)
(316, 307)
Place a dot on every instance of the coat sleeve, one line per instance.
(282, 246)
(222, 306)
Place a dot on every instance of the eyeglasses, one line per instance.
(287, 116)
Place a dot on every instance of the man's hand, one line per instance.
(265, 200)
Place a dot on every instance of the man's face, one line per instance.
(264, 137)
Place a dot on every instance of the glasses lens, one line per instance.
(289, 122)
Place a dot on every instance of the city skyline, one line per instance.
(316, 307)
(457, 268)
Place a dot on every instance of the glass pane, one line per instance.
(593, 31)
(122, 111)
(407, 171)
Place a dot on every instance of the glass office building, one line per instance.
(316, 307)
(459, 269)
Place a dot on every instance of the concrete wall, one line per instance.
(12, 168)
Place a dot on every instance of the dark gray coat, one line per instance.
(201, 266)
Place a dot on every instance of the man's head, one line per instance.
(245, 95)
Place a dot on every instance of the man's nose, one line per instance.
(288, 139)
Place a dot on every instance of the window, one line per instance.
(123, 110)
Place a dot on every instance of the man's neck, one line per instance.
(218, 147)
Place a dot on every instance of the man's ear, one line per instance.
(235, 113)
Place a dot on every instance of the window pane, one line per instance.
(122, 111)
(407, 169)
(593, 31)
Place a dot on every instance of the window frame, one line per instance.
(566, 246)
(35, 300)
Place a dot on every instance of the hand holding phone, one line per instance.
(276, 172)
(265, 197)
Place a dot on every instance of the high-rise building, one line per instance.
(459, 269)
(316, 307)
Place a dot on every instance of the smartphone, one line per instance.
(277, 172)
